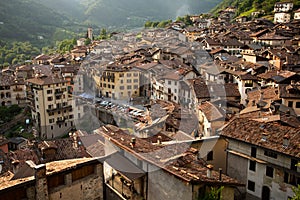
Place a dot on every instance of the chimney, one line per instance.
(75, 140)
(209, 171)
(159, 139)
(286, 140)
(132, 143)
(1, 163)
(220, 174)
(264, 137)
(293, 82)
(15, 164)
(41, 185)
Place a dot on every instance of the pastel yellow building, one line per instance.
(120, 82)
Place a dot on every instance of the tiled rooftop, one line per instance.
(177, 159)
(251, 131)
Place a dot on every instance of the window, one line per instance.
(70, 116)
(50, 98)
(297, 104)
(128, 81)
(252, 165)
(135, 80)
(169, 82)
(253, 152)
(294, 164)
(248, 83)
(269, 171)
(112, 87)
(291, 179)
(135, 86)
(251, 186)
(128, 87)
(290, 104)
(51, 127)
(51, 121)
(270, 154)
(121, 87)
(49, 91)
(82, 172)
(128, 74)
(121, 81)
(210, 155)
(135, 74)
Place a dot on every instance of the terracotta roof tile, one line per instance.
(251, 131)
(211, 112)
(177, 159)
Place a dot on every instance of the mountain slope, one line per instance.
(27, 20)
(44, 21)
(133, 13)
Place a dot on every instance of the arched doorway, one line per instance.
(265, 193)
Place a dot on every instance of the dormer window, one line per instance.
(264, 137)
(286, 141)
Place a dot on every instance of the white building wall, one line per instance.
(282, 17)
(278, 189)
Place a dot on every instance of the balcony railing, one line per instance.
(18, 89)
(60, 121)
(58, 93)
(59, 108)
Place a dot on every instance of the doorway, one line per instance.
(265, 193)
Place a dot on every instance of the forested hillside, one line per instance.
(246, 7)
(42, 21)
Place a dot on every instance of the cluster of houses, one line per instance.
(222, 107)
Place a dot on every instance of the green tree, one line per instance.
(296, 190)
(87, 41)
(103, 34)
(213, 194)
(65, 45)
(148, 24)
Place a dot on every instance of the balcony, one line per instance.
(59, 108)
(20, 98)
(18, 89)
(58, 93)
(61, 120)
(32, 107)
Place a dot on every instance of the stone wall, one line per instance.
(90, 187)
(164, 186)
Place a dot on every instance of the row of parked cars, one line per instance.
(133, 112)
